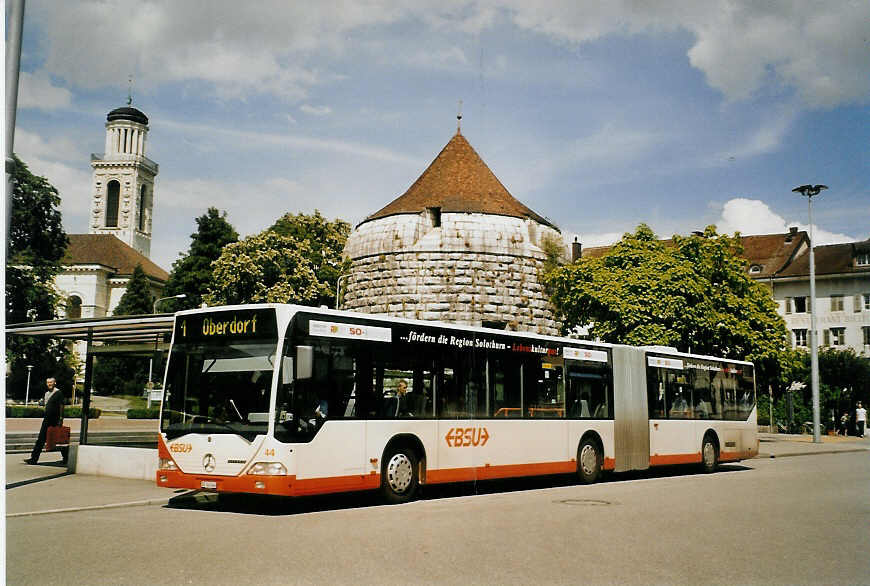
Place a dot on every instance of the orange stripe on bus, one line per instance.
(506, 471)
(277, 485)
(671, 459)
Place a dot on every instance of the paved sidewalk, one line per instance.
(48, 488)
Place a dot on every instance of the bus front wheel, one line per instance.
(399, 478)
(589, 460)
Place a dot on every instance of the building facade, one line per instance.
(98, 265)
(455, 247)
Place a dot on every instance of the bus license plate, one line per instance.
(209, 484)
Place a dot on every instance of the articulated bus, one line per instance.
(290, 400)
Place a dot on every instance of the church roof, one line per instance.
(127, 113)
(106, 250)
(458, 181)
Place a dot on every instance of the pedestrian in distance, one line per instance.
(53, 417)
(844, 424)
(860, 420)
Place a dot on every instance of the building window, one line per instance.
(862, 259)
(836, 303)
(142, 195)
(113, 200)
(800, 338)
(435, 217)
(754, 269)
(866, 299)
(73, 307)
(797, 304)
(866, 330)
(835, 337)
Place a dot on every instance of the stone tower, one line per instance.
(122, 197)
(455, 247)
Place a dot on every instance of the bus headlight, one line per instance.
(166, 464)
(268, 469)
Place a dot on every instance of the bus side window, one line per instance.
(504, 383)
(656, 392)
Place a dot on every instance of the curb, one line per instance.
(851, 450)
(160, 501)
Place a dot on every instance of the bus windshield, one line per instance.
(219, 387)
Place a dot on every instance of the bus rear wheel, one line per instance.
(399, 477)
(709, 455)
(589, 461)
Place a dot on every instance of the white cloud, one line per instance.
(752, 216)
(35, 90)
(316, 110)
(741, 46)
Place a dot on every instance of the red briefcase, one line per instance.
(56, 436)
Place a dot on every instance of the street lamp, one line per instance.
(809, 191)
(27, 391)
(156, 301)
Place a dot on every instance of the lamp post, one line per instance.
(156, 301)
(809, 191)
(27, 391)
(154, 310)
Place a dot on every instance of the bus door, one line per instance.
(672, 425)
(631, 425)
(459, 391)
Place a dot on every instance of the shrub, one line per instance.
(143, 413)
(39, 412)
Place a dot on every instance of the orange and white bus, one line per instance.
(290, 400)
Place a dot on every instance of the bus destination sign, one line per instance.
(226, 325)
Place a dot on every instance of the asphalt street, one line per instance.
(783, 520)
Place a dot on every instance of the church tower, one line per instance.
(122, 196)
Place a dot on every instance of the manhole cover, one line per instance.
(585, 502)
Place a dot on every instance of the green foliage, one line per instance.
(692, 293)
(266, 268)
(126, 375)
(143, 413)
(37, 243)
(844, 379)
(18, 411)
(554, 252)
(191, 273)
(325, 241)
(137, 298)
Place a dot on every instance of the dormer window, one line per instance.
(754, 269)
(434, 216)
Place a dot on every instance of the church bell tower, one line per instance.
(122, 197)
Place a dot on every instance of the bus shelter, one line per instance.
(144, 335)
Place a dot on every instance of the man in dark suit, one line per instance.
(53, 417)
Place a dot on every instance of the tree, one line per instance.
(692, 293)
(266, 268)
(192, 272)
(137, 299)
(126, 375)
(37, 243)
(325, 240)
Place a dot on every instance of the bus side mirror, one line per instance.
(304, 361)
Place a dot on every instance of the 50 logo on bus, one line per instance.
(463, 437)
(180, 448)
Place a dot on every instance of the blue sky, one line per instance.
(597, 115)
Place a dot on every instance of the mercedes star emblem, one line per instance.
(208, 462)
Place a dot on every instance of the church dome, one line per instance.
(127, 113)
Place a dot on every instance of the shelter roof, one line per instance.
(124, 328)
(458, 181)
(109, 251)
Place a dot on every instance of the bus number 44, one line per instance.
(461, 437)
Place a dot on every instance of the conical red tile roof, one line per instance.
(458, 181)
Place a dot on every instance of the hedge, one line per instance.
(143, 413)
(39, 412)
